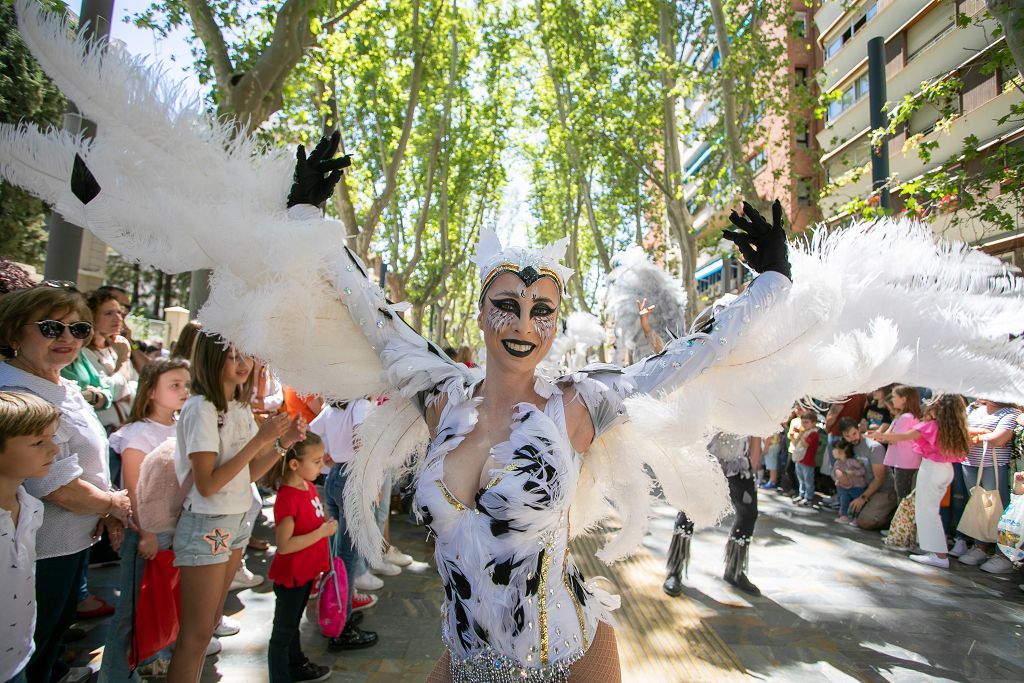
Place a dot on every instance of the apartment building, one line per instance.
(783, 159)
(924, 40)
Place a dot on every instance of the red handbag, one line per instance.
(157, 608)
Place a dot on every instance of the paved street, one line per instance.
(837, 607)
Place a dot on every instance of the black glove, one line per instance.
(763, 246)
(83, 182)
(316, 176)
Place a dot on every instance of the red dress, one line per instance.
(306, 508)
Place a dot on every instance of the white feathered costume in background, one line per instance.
(870, 304)
(634, 279)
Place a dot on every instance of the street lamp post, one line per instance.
(876, 102)
(64, 242)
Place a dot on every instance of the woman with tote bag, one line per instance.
(986, 470)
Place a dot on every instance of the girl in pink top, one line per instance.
(900, 455)
(941, 439)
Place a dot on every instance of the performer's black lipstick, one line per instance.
(517, 348)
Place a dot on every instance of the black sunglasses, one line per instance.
(53, 329)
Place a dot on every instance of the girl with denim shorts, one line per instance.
(219, 452)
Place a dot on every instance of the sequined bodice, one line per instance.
(511, 586)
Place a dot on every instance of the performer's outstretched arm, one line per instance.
(763, 246)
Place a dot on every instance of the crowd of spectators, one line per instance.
(88, 417)
(863, 456)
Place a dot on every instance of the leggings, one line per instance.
(743, 494)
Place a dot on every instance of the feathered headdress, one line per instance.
(529, 265)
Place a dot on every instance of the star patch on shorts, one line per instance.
(218, 540)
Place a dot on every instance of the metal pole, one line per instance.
(199, 291)
(64, 243)
(879, 119)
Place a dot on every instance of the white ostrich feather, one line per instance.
(41, 162)
(392, 435)
(634, 279)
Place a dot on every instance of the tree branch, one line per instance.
(288, 43)
(210, 34)
(330, 23)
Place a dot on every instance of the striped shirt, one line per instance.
(82, 444)
(1004, 418)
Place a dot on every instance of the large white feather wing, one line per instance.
(870, 304)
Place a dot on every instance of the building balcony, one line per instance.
(945, 53)
(890, 16)
(982, 121)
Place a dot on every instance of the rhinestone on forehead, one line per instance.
(529, 275)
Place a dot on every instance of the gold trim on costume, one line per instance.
(449, 497)
(542, 607)
(510, 267)
(572, 594)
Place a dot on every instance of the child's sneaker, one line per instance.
(932, 560)
(959, 548)
(309, 671)
(769, 485)
(843, 519)
(974, 557)
(361, 601)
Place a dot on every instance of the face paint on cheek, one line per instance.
(544, 326)
(499, 320)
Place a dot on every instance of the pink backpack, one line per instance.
(160, 496)
(333, 599)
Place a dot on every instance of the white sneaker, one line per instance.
(959, 548)
(367, 582)
(386, 569)
(974, 556)
(397, 557)
(997, 564)
(931, 559)
(227, 627)
(245, 579)
(214, 647)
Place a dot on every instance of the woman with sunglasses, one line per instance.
(42, 331)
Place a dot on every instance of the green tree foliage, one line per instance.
(438, 99)
(622, 81)
(26, 94)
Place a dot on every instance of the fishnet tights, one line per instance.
(600, 663)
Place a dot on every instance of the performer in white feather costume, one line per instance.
(504, 477)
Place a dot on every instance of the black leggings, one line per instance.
(284, 654)
(743, 494)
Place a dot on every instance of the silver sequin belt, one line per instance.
(489, 666)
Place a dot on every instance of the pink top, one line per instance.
(903, 454)
(927, 444)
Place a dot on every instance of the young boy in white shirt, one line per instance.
(27, 427)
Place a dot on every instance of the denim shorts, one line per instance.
(201, 539)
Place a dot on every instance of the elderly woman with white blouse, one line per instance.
(42, 330)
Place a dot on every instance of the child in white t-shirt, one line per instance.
(220, 446)
(27, 449)
(162, 391)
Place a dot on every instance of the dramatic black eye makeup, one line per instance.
(541, 309)
(509, 305)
